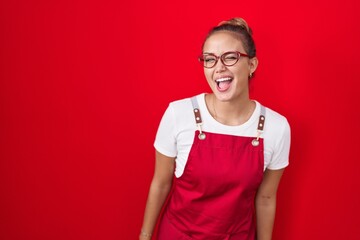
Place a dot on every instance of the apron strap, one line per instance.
(196, 110)
(260, 129)
(198, 119)
(261, 118)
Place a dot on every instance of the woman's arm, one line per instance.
(265, 203)
(159, 190)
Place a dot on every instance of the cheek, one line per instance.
(242, 72)
(208, 75)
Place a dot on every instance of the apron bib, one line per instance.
(214, 198)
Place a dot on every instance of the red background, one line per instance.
(83, 86)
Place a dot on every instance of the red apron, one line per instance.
(214, 198)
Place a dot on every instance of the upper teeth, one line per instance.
(223, 79)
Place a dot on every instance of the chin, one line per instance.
(223, 97)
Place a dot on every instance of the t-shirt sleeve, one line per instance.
(165, 141)
(280, 158)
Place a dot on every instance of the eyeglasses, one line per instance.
(209, 60)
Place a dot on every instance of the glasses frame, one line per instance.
(221, 57)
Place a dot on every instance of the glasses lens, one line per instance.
(230, 58)
(209, 60)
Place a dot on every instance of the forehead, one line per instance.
(223, 41)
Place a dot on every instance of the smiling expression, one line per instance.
(228, 83)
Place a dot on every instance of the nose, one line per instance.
(219, 66)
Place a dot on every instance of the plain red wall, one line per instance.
(83, 85)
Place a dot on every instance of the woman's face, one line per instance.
(229, 83)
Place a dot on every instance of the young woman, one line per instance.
(228, 152)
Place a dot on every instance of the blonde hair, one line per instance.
(240, 27)
(237, 22)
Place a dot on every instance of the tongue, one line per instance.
(224, 85)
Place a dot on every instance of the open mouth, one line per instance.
(223, 83)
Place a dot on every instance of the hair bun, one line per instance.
(239, 22)
(243, 31)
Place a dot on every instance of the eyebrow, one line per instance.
(222, 52)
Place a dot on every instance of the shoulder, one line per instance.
(184, 106)
(276, 129)
(276, 140)
(182, 111)
(180, 103)
(274, 121)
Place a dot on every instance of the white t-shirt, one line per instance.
(177, 128)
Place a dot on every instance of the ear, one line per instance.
(253, 63)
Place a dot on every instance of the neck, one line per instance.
(232, 112)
